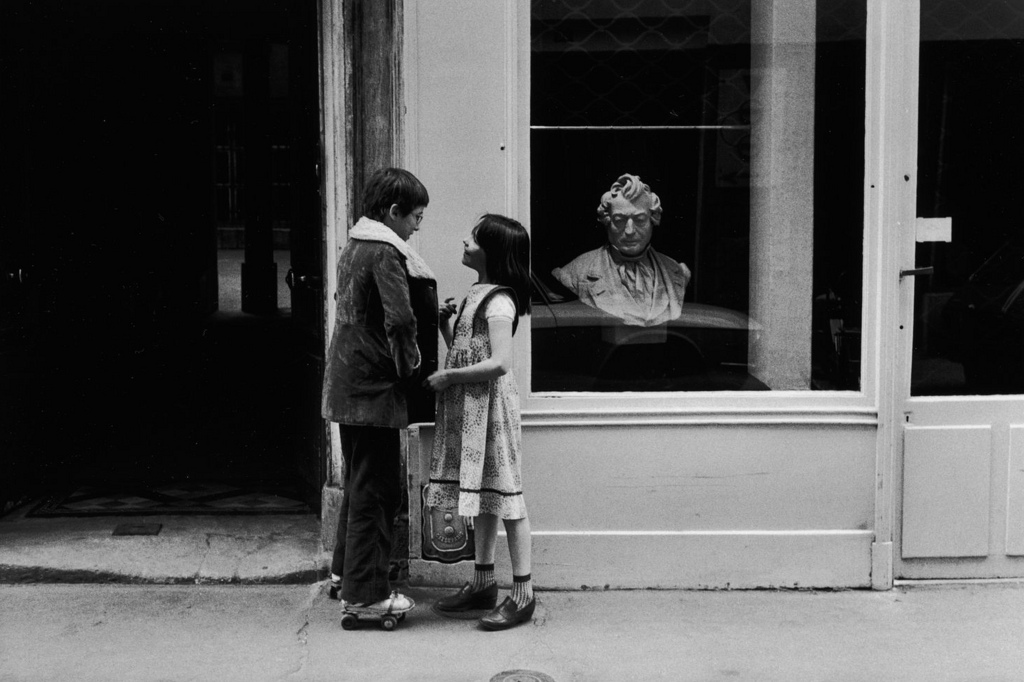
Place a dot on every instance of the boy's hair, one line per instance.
(389, 186)
(506, 246)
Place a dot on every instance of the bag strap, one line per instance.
(515, 302)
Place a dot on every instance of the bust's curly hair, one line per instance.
(631, 188)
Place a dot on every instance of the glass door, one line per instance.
(962, 284)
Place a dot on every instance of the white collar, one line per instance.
(369, 230)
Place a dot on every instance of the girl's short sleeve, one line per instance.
(500, 306)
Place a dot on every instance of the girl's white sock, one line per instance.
(483, 576)
(522, 590)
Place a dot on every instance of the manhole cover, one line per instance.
(522, 676)
(137, 529)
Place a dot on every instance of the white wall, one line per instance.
(457, 126)
(686, 507)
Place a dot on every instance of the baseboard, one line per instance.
(680, 560)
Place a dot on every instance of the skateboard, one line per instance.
(389, 620)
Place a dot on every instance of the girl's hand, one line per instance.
(447, 309)
(439, 380)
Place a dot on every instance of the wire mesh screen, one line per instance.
(960, 20)
(627, 62)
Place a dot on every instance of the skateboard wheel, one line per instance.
(388, 622)
(349, 622)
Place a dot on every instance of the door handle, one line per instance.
(917, 271)
(307, 281)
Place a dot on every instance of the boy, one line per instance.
(371, 364)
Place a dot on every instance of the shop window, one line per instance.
(748, 126)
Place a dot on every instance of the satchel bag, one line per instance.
(447, 538)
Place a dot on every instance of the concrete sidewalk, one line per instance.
(244, 598)
(188, 549)
(292, 632)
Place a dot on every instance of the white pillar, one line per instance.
(782, 192)
(334, 118)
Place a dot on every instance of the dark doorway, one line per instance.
(141, 141)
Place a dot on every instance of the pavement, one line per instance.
(245, 598)
(187, 549)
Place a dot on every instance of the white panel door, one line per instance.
(946, 494)
(961, 382)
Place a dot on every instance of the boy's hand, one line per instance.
(447, 309)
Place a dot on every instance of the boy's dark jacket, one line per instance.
(384, 343)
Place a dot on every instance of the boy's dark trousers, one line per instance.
(373, 495)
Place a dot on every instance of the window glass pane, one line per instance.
(969, 314)
(697, 195)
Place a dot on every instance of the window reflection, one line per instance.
(578, 347)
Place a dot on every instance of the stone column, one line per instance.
(782, 192)
(361, 71)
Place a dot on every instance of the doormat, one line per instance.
(174, 499)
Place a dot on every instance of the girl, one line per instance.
(474, 469)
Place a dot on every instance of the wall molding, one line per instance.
(668, 416)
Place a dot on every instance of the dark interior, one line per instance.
(121, 122)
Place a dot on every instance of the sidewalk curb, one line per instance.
(22, 575)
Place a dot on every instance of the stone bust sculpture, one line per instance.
(626, 277)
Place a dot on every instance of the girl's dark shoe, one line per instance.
(508, 615)
(468, 600)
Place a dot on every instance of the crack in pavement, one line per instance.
(198, 576)
(302, 634)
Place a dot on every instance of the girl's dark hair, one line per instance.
(506, 246)
(389, 186)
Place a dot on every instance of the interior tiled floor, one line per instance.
(203, 497)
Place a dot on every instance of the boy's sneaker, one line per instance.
(396, 603)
